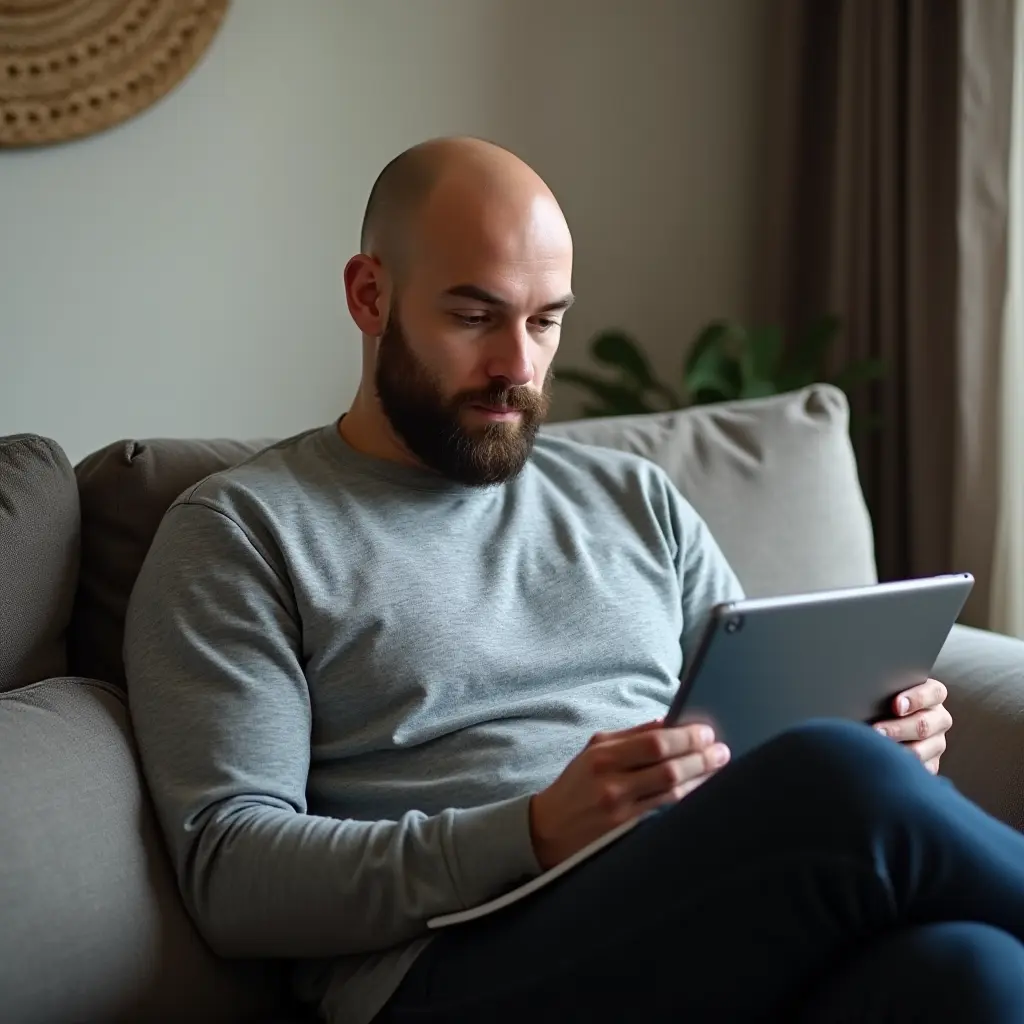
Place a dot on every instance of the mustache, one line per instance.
(521, 399)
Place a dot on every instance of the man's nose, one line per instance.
(510, 357)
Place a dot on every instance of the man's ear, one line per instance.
(368, 294)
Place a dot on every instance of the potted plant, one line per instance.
(727, 361)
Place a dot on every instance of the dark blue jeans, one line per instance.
(824, 877)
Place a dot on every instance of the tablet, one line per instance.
(764, 665)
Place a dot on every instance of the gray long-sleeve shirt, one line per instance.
(347, 677)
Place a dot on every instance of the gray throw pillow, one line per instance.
(775, 479)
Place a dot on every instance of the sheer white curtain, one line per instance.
(1006, 602)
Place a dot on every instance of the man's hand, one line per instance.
(921, 722)
(617, 777)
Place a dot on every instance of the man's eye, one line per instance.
(471, 319)
(545, 324)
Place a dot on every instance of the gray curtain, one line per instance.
(861, 220)
(986, 537)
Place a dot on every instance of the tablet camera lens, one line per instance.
(734, 625)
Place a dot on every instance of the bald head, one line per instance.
(460, 289)
(453, 175)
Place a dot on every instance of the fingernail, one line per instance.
(881, 730)
(719, 755)
(903, 705)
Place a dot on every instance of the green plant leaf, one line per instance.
(859, 373)
(709, 396)
(766, 352)
(758, 387)
(616, 348)
(715, 372)
(710, 376)
(619, 399)
(713, 338)
(806, 363)
(718, 363)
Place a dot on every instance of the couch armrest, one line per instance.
(86, 882)
(985, 758)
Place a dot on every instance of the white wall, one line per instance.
(179, 275)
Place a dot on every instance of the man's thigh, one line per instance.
(716, 905)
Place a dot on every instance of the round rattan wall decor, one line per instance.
(69, 68)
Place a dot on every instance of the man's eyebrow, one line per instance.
(563, 303)
(478, 294)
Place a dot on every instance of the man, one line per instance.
(392, 667)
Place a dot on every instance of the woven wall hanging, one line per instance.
(69, 68)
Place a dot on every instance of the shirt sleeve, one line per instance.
(222, 716)
(705, 576)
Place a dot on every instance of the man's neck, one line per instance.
(366, 429)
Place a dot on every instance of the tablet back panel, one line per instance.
(767, 664)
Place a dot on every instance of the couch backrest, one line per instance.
(775, 479)
(39, 535)
(125, 489)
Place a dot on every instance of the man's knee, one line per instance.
(962, 972)
(825, 778)
(830, 762)
(977, 968)
(836, 746)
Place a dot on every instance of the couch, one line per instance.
(93, 929)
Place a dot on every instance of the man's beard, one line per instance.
(431, 427)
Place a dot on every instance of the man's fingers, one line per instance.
(673, 796)
(929, 750)
(678, 772)
(932, 765)
(919, 726)
(628, 752)
(925, 695)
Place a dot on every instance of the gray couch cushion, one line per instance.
(775, 479)
(38, 558)
(125, 489)
(93, 929)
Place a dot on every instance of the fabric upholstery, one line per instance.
(39, 534)
(93, 928)
(125, 489)
(775, 479)
(985, 758)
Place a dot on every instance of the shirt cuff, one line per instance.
(493, 850)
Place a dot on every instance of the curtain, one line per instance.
(863, 182)
(886, 167)
(1007, 592)
(984, 313)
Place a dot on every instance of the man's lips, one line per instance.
(498, 412)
